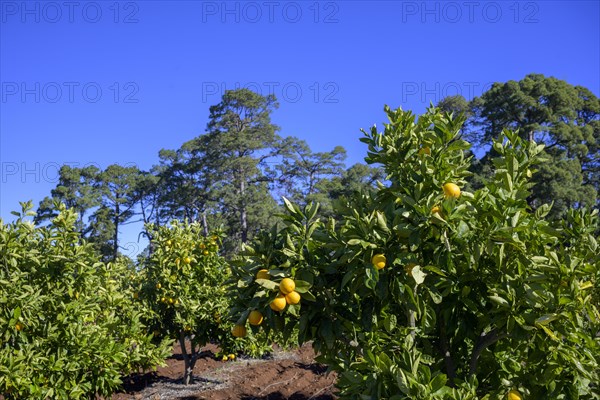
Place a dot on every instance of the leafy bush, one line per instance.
(68, 326)
(424, 292)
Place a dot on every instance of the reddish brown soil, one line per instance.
(286, 375)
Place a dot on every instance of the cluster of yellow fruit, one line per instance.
(164, 299)
(287, 295)
(169, 300)
(227, 357)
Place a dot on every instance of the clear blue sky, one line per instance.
(99, 82)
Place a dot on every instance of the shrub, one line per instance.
(422, 291)
(68, 326)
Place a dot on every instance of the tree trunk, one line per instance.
(243, 212)
(189, 360)
(204, 224)
(116, 236)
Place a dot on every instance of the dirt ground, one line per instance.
(285, 376)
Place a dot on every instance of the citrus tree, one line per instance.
(425, 291)
(182, 284)
(68, 325)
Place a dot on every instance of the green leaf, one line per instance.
(267, 284)
(302, 286)
(418, 275)
(499, 301)
(308, 296)
(546, 319)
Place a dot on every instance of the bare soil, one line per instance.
(291, 375)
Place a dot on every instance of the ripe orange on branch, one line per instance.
(263, 274)
(255, 318)
(292, 298)
(239, 331)
(287, 285)
(279, 303)
(451, 190)
(378, 261)
(514, 395)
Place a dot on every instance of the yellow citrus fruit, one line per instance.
(171, 300)
(201, 246)
(232, 357)
(451, 190)
(279, 303)
(206, 252)
(292, 297)
(158, 285)
(514, 395)
(425, 150)
(169, 242)
(263, 274)
(239, 331)
(163, 299)
(378, 261)
(287, 285)
(435, 209)
(255, 318)
(187, 260)
(19, 326)
(224, 358)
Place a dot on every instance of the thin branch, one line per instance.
(485, 340)
(445, 347)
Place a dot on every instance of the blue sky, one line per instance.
(101, 82)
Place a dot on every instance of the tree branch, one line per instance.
(445, 347)
(485, 340)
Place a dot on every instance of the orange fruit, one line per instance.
(514, 395)
(378, 261)
(451, 190)
(158, 285)
(292, 297)
(435, 209)
(19, 326)
(255, 318)
(187, 260)
(232, 357)
(279, 303)
(239, 331)
(263, 274)
(287, 285)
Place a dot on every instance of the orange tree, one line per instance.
(68, 326)
(422, 291)
(182, 284)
